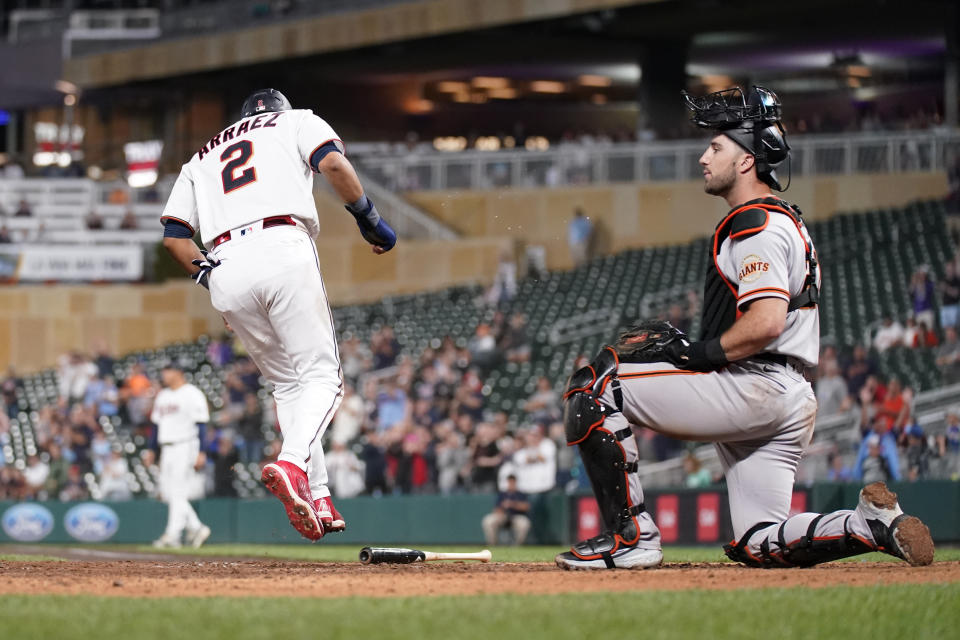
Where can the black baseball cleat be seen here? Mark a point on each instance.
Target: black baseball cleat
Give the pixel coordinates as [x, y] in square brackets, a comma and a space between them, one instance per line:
[608, 551]
[894, 532]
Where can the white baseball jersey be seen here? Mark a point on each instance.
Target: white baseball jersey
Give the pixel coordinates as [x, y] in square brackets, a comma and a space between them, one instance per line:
[256, 168]
[176, 413]
[773, 263]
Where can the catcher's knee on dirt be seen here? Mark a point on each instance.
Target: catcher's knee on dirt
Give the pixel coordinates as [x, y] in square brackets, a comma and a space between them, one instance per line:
[609, 464]
[806, 551]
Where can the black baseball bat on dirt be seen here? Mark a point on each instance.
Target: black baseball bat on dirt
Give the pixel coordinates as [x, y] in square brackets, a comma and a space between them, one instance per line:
[387, 555]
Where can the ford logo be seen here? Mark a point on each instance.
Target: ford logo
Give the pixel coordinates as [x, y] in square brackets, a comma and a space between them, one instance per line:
[91, 522]
[27, 522]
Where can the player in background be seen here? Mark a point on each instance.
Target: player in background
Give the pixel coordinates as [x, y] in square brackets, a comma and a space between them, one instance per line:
[181, 414]
[249, 191]
[740, 386]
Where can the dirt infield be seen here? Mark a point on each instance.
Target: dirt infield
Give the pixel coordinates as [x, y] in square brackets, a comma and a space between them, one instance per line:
[149, 577]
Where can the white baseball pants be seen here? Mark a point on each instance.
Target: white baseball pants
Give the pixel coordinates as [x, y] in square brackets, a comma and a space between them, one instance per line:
[269, 288]
[177, 473]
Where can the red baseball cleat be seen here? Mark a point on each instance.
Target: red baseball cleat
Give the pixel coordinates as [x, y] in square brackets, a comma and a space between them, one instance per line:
[289, 483]
[330, 518]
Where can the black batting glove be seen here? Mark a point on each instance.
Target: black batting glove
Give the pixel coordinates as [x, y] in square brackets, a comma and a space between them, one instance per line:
[208, 264]
[704, 355]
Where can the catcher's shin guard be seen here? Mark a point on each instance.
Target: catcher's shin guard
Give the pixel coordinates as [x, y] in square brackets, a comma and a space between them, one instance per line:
[806, 551]
[610, 457]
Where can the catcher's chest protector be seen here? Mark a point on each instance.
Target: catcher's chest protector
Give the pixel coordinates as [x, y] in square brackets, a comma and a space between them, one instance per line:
[719, 294]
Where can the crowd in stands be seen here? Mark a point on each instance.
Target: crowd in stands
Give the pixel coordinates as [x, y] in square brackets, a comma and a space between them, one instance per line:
[891, 444]
[420, 422]
[406, 424]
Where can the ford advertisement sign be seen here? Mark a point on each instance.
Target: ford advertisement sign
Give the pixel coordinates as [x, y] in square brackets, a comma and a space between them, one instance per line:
[27, 522]
[91, 522]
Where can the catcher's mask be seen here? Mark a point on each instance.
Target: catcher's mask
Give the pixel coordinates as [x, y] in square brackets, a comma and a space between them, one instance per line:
[751, 120]
[262, 101]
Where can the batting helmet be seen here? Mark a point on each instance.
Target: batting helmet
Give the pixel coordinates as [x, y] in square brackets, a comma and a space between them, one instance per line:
[752, 121]
[262, 101]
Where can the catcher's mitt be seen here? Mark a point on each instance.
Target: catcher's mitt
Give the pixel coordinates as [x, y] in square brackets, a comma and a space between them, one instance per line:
[652, 341]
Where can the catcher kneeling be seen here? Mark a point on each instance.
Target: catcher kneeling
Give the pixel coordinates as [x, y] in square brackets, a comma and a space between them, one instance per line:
[759, 411]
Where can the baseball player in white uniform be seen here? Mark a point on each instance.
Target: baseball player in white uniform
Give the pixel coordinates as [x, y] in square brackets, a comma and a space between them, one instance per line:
[249, 191]
[180, 412]
[740, 386]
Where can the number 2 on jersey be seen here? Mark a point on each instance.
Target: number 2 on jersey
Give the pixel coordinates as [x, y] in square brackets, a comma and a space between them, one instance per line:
[232, 181]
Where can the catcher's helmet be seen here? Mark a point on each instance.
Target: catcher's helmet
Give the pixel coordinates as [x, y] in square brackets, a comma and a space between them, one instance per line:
[262, 101]
[752, 121]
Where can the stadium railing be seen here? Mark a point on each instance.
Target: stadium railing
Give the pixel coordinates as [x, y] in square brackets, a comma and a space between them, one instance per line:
[580, 163]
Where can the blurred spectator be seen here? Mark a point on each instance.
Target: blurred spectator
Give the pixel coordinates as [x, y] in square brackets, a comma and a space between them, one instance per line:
[948, 356]
[103, 360]
[504, 287]
[483, 347]
[248, 429]
[926, 337]
[75, 489]
[828, 356]
[831, 392]
[579, 234]
[374, 464]
[349, 418]
[468, 399]
[23, 210]
[59, 470]
[511, 512]
[35, 475]
[137, 391]
[877, 458]
[544, 404]
[949, 296]
[838, 471]
[8, 393]
[485, 458]
[75, 373]
[391, 406]
[219, 352]
[911, 333]
[12, 484]
[535, 464]
[452, 456]
[103, 396]
[860, 367]
[234, 393]
[225, 458]
[93, 221]
[874, 467]
[515, 343]
[921, 297]
[893, 412]
[355, 358]
[696, 475]
[413, 468]
[5, 237]
[385, 348]
[345, 471]
[113, 478]
[917, 454]
[129, 220]
[890, 334]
